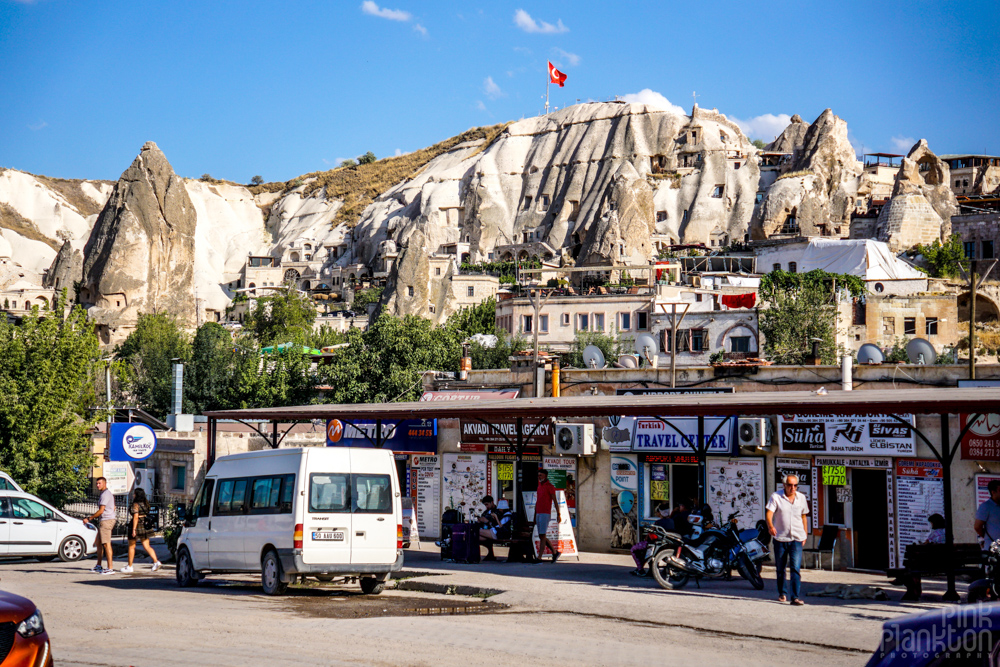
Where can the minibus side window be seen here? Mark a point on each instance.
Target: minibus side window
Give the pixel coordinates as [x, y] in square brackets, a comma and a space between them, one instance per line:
[224, 500]
[287, 494]
[261, 502]
[372, 494]
[203, 501]
[239, 496]
[329, 492]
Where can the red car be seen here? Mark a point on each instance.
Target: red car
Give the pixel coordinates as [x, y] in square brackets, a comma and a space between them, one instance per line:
[23, 640]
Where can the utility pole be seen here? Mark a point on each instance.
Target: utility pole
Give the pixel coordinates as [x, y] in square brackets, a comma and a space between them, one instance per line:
[536, 303]
[974, 283]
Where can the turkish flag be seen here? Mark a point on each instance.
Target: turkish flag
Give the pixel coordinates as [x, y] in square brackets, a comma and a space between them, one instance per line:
[555, 76]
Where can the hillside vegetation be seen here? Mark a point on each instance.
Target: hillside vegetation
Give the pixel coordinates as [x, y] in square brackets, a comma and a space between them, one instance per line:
[358, 185]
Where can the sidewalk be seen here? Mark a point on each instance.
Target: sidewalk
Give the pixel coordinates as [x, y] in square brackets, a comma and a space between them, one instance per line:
[600, 585]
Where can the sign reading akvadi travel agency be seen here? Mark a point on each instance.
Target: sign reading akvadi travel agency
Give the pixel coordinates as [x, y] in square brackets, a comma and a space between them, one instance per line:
[846, 434]
[131, 442]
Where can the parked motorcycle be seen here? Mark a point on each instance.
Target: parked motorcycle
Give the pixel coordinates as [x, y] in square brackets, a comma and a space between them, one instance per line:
[988, 589]
[713, 554]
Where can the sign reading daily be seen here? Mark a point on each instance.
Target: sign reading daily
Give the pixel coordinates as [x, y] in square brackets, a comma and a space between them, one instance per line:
[846, 434]
[131, 442]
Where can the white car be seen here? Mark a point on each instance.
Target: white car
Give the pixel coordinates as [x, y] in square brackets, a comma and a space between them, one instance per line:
[29, 526]
[7, 483]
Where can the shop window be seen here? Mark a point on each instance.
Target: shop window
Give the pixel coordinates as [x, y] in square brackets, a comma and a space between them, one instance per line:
[543, 323]
[834, 509]
[931, 326]
[642, 321]
[909, 326]
[739, 344]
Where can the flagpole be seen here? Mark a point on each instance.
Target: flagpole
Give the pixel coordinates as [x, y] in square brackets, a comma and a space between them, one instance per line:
[548, 80]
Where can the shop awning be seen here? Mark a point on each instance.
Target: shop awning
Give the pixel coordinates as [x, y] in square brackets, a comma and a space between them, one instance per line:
[900, 401]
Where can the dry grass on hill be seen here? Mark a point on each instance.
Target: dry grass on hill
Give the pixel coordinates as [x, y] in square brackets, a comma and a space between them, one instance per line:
[358, 186]
[70, 189]
[14, 221]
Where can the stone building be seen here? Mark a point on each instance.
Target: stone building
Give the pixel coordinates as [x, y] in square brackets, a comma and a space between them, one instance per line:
[973, 174]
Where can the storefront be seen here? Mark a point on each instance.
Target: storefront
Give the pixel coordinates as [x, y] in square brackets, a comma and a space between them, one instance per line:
[852, 475]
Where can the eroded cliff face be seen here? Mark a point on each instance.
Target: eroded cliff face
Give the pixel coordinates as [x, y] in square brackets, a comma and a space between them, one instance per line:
[922, 202]
[815, 195]
[791, 138]
[140, 256]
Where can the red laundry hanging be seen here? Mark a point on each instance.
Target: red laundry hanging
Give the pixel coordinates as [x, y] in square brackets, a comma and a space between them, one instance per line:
[739, 300]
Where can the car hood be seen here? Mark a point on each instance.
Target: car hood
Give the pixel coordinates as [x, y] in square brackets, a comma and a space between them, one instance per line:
[14, 608]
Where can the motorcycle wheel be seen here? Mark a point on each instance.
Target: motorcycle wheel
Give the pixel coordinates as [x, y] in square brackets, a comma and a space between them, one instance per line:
[666, 576]
[749, 572]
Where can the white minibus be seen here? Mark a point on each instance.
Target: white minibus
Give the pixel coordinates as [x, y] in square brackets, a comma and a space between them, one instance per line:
[323, 512]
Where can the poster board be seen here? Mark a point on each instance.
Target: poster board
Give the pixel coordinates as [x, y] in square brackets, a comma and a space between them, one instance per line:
[801, 468]
[119, 476]
[919, 493]
[624, 500]
[737, 485]
[426, 473]
[464, 484]
[982, 441]
[559, 533]
[562, 474]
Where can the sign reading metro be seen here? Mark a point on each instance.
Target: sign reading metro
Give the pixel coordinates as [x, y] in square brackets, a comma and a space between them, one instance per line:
[846, 434]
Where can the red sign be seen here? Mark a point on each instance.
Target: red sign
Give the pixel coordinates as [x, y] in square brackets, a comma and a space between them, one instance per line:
[668, 458]
[334, 430]
[982, 441]
[471, 449]
[485, 395]
[925, 468]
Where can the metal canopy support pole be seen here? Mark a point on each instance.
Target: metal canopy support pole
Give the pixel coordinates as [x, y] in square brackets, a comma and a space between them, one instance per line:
[972, 327]
[212, 431]
[702, 463]
[673, 345]
[274, 435]
[520, 512]
[379, 441]
[951, 595]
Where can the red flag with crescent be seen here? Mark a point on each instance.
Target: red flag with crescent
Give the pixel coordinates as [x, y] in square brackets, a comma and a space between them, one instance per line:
[555, 76]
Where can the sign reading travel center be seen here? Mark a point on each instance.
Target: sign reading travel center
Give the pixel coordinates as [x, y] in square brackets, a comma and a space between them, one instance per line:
[846, 434]
[131, 442]
[678, 434]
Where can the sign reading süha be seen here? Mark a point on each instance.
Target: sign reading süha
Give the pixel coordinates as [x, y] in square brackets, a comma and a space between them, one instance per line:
[505, 432]
[846, 434]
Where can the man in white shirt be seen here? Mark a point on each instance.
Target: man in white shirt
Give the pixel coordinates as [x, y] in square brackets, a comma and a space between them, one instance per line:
[786, 521]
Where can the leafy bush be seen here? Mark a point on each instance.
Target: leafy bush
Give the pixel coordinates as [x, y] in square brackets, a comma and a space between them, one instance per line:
[367, 158]
[784, 281]
[257, 180]
[364, 297]
[943, 261]
[349, 162]
[759, 143]
[611, 345]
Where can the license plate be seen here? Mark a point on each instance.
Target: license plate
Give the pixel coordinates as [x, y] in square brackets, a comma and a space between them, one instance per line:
[333, 535]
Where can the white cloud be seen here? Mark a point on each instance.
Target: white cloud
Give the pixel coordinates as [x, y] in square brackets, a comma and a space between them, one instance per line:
[653, 99]
[523, 20]
[398, 152]
[40, 125]
[765, 127]
[570, 58]
[369, 7]
[421, 29]
[902, 144]
[480, 106]
[491, 89]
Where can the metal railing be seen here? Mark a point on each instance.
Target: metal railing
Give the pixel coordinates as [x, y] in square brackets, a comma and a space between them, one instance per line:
[163, 507]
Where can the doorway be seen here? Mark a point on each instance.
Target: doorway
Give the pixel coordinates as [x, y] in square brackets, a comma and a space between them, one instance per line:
[870, 518]
[684, 487]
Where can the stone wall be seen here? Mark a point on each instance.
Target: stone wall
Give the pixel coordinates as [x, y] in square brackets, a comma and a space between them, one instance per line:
[977, 228]
[908, 220]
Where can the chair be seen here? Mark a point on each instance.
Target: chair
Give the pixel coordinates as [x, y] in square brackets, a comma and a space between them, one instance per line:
[827, 542]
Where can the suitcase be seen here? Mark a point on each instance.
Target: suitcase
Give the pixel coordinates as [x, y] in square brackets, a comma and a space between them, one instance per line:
[465, 543]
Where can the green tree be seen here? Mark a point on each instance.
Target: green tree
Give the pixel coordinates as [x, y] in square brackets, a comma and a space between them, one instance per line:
[349, 162]
[269, 380]
[793, 318]
[499, 355]
[207, 178]
[481, 319]
[282, 318]
[257, 180]
[612, 346]
[208, 374]
[943, 261]
[147, 354]
[759, 143]
[47, 371]
[364, 297]
[367, 158]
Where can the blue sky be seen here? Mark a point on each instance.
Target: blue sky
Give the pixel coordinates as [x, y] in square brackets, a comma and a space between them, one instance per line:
[236, 89]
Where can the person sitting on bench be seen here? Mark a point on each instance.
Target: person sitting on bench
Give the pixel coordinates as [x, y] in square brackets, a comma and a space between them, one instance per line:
[488, 524]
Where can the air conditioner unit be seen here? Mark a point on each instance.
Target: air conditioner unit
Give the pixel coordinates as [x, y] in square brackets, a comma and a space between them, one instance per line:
[145, 479]
[754, 432]
[575, 439]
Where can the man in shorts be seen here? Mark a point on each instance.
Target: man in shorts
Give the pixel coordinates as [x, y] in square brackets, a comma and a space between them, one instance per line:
[545, 500]
[106, 513]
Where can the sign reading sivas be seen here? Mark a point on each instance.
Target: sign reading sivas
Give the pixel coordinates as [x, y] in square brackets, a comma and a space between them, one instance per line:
[846, 434]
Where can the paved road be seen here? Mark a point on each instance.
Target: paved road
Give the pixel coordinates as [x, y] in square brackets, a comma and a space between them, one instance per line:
[591, 612]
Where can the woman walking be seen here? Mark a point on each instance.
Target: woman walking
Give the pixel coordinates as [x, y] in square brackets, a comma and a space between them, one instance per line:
[137, 531]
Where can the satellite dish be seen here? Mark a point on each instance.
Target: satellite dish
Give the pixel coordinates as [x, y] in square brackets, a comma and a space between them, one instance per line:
[593, 357]
[869, 353]
[920, 351]
[645, 347]
[628, 361]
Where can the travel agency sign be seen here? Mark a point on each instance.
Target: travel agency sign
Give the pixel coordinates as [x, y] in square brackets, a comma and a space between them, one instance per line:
[131, 442]
[863, 435]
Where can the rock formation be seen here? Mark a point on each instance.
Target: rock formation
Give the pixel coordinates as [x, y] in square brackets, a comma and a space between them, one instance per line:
[922, 202]
[791, 138]
[815, 197]
[140, 256]
[66, 270]
[621, 235]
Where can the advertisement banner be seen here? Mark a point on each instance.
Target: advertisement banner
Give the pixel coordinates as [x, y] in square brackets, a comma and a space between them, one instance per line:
[845, 434]
[982, 441]
[119, 476]
[130, 441]
[464, 484]
[504, 432]
[624, 500]
[559, 533]
[737, 485]
[426, 471]
[469, 395]
[408, 435]
[919, 493]
[646, 391]
[649, 434]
